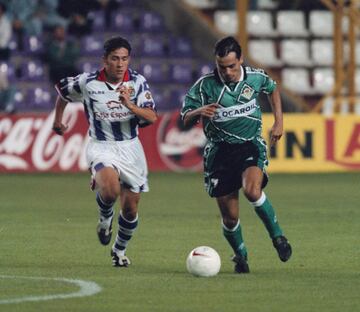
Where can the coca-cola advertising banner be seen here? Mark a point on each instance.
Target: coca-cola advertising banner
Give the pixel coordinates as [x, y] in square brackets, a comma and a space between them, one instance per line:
[27, 143]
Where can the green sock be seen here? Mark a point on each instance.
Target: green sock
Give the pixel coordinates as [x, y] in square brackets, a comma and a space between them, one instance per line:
[265, 211]
[235, 239]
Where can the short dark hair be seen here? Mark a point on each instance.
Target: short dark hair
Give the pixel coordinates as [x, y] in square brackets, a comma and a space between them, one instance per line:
[226, 45]
[114, 44]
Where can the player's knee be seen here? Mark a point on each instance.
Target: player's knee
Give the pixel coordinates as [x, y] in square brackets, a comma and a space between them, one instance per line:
[229, 222]
[109, 192]
[252, 192]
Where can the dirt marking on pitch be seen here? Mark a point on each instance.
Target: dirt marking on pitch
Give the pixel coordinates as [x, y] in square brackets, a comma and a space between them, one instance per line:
[86, 288]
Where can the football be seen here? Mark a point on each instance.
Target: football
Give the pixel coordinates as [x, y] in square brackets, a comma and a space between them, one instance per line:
[203, 261]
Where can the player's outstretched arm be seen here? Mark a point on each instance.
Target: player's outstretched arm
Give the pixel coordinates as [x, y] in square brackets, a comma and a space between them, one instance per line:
[277, 128]
[58, 127]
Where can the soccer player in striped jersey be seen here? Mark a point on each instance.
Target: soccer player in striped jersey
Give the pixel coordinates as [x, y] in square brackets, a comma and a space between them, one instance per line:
[236, 155]
[117, 100]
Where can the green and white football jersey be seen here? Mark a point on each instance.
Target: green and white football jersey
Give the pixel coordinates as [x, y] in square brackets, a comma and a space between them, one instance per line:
[239, 117]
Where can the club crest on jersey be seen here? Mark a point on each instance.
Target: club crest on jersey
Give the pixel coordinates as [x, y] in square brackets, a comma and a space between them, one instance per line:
[247, 92]
[131, 87]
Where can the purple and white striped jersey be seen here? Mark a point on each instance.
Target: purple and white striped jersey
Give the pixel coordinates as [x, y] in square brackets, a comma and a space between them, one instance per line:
[108, 119]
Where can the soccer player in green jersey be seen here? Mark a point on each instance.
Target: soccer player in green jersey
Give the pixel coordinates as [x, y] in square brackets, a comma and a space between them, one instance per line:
[235, 154]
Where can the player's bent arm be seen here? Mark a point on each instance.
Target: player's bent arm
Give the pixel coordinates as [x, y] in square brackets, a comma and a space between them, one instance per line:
[146, 114]
[208, 111]
[58, 126]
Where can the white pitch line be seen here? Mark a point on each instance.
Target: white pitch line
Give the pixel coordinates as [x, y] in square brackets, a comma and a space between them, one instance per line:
[87, 288]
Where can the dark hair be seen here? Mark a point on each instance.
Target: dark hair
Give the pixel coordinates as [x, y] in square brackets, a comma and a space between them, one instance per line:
[114, 44]
[3, 7]
[226, 45]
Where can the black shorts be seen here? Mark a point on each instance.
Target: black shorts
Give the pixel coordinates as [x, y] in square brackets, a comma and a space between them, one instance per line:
[225, 163]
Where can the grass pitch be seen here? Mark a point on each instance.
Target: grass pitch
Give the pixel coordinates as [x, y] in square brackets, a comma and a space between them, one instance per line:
[47, 229]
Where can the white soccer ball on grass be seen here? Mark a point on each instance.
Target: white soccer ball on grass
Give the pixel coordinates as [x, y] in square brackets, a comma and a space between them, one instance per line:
[203, 261]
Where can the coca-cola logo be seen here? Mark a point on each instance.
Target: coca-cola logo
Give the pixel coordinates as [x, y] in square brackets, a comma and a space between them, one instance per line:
[27, 143]
[180, 148]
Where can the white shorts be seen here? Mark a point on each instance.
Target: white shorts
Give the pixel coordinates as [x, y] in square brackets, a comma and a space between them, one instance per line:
[126, 157]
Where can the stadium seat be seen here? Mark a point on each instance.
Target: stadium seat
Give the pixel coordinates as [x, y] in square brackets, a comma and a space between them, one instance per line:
[92, 45]
[322, 52]
[205, 68]
[264, 52]
[89, 67]
[9, 70]
[155, 71]
[151, 21]
[323, 80]
[20, 100]
[33, 71]
[181, 73]
[266, 4]
[295, 52]
[202, 4]
[297, 80]
[39, 98]
[122, 21]
[291, 24]
[98, 20]
[226, 21]
[161, 98]
[152, 45]
[260, 24]
[321, 23]
[177, 97]
[180, 47]
[33, 45]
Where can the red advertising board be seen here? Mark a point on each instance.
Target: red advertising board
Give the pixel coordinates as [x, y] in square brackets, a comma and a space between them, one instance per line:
[27, 143]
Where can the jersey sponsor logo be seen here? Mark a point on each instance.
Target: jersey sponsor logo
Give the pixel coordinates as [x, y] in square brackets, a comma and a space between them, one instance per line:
[227, 113]
[96, 92]
[113, 104]
[113, 116]
[247, 92]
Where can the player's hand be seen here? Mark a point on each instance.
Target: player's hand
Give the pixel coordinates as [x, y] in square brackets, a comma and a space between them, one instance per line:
[59, 128]
[208, 111]
[124, 95]
[276, 133]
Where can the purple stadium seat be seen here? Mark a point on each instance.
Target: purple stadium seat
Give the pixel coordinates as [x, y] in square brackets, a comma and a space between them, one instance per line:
[40, 98]
[9, 70]
[20, 100]
[13, 45]
[152, 45]
[155, 71]
[98, 20]
[93, 45]
[122, 21]
[33, 71]
[89, 67]
[161, 98]
[33, 45]
[151, 21]
[177, 97]
[181, 73]
[180, 47]
[205, 68]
